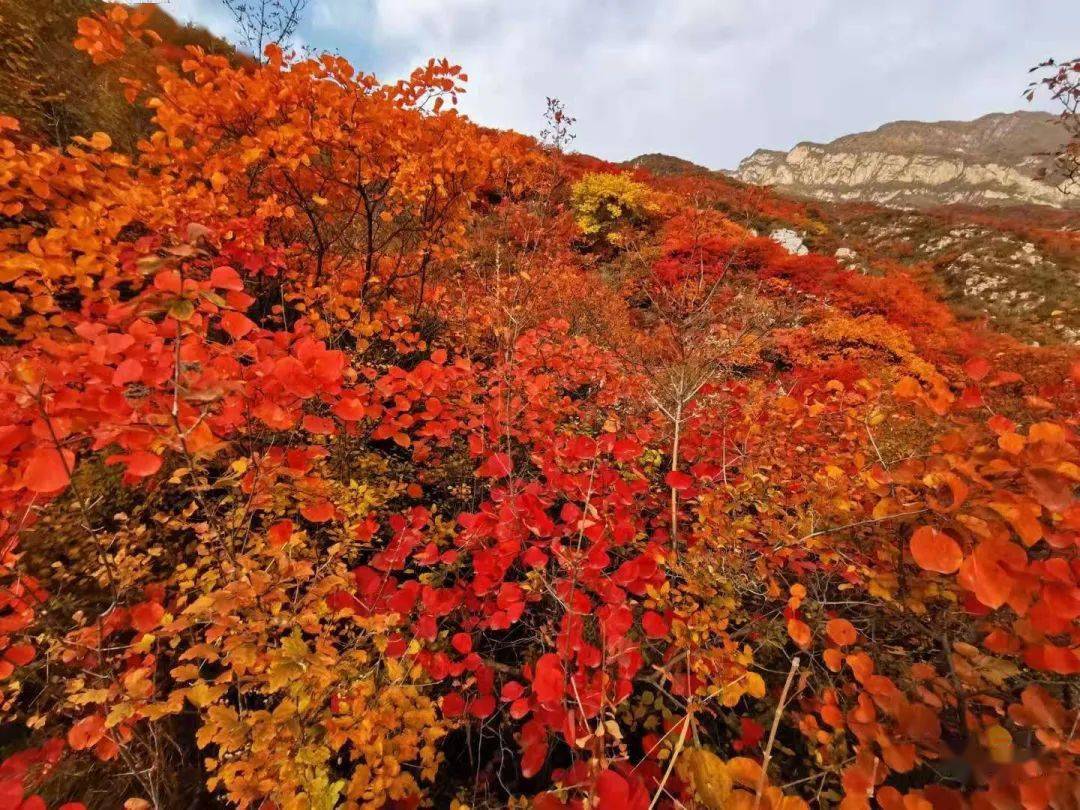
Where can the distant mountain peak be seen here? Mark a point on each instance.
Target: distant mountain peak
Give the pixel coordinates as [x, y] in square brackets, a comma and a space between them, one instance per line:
[661, 165]
[996, 159]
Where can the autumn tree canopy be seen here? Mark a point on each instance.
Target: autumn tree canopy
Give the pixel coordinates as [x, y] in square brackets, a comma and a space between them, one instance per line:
[352, 454]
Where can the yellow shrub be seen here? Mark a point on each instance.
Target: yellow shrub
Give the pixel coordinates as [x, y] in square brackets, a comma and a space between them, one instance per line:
[606, 204]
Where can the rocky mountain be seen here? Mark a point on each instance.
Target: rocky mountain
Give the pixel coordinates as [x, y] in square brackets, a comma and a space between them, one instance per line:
[998, 159]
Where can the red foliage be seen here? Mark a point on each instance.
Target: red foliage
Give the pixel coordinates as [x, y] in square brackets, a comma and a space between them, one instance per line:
[324, 432]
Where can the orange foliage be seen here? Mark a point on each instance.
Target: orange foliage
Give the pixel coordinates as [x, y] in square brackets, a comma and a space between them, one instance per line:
[334, 456]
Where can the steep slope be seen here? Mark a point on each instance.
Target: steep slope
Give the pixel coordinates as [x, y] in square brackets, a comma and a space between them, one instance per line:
[998, 159]
[55, 93]
[1016, 267]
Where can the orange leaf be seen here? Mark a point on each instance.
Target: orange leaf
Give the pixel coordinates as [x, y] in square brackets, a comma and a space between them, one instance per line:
[1011, 442]
[834, 659]
[799, 632]
[907, 388]
[988, 571]
[106, 749]
[86, 732]
[841, 632]
[935, 551]
[318, 512]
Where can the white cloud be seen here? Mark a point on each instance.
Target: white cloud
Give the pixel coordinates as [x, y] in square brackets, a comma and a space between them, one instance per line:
[709, 80]
[211, 14]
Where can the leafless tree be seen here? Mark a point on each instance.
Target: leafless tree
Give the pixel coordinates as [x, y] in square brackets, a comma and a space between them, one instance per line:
[558, 126]
[1062, 81]
[266, 22]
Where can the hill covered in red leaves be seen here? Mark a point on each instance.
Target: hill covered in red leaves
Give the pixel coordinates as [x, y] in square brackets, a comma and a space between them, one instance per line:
[355, 455]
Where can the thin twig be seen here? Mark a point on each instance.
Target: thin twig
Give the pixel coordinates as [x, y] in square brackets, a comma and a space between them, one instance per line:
[674, 756]
[772, 731]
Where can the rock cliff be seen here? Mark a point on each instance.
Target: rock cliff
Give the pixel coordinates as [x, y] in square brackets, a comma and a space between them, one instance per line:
[998, 159]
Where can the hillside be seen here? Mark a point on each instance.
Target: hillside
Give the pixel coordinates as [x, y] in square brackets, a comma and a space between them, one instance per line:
[663, 165]
[356, 455]
[998, 159]
[1017, 268]
[56, 93]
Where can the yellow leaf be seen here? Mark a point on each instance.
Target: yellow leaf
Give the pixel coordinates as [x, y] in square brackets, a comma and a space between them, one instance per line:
[755, 685]
[118, 714]
[202, 694]
[1000, 743]
[709, 776]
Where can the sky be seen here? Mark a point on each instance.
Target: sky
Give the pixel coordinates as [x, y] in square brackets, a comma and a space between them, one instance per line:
[705, 80]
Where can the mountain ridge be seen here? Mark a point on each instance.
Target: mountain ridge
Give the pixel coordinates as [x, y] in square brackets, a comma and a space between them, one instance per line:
[996, 159]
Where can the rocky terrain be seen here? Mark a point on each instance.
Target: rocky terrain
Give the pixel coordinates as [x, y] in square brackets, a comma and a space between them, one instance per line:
[1023, 278]
[998, 159]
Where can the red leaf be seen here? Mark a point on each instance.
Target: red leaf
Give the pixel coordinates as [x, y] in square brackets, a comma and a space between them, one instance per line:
[128, 370]
[453, 705]
[46, 471]
[751, 734]
[19, 654]
[549, 681]
[236, 325]
[534, 749]
[482, 706]
[140, 464]
[168, 281]
[654, 624]
[343, 600]
[145, 616]
[225, 278]
[976, 368]
[519, 708]
[612, 791]
[11, 792]
[511, 691]
[971, 397]
[678, 480]
[280, 533]
[349, 408]
[498, 465]
[462, 642]
[534, 557]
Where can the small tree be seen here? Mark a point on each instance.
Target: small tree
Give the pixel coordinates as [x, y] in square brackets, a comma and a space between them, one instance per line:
[558, 126]
[266, 22]
[1062, 82]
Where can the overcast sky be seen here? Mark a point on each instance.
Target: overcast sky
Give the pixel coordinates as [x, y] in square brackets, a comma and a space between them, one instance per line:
[706, 80]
